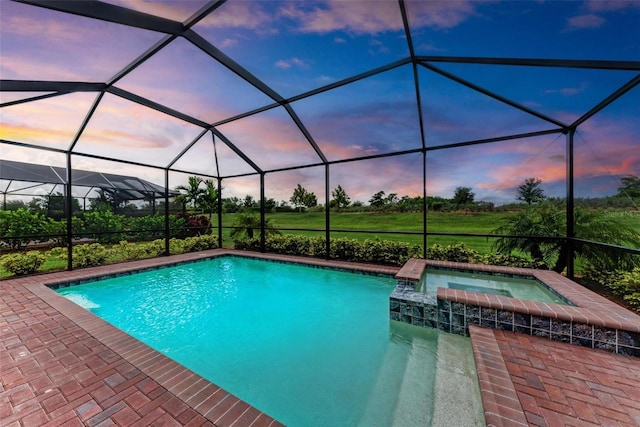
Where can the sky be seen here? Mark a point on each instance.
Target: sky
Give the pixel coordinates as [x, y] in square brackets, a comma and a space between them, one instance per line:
[298, 48]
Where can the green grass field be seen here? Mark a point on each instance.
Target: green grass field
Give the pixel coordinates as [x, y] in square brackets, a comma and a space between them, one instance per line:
[354, 225]
[437, 222]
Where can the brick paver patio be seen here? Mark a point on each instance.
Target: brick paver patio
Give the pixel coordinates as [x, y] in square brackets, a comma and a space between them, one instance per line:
[62, 366]
[528, 380]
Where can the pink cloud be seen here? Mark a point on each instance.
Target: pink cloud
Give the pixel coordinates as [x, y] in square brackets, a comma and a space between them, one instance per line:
[584, 21]
[52, 121]
[271, 139]
[611, 5]
[293, 62]
[441, 14]
[242, 14]
[176, 10]
[355, 17]
[51, 30]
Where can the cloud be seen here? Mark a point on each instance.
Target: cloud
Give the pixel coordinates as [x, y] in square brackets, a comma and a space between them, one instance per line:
[611, 5]
[176, 10]
[271, 140]
[242, 15]
[43, 29]
[228, 42]
[585, 21]
[293, 62]
[39, 135]
[354, 17]
[363, 17]
[427, 47]
[568, 91]
[441, 14]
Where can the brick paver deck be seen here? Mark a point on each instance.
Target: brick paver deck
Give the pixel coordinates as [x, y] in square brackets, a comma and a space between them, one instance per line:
[62, 366]
[528, 380]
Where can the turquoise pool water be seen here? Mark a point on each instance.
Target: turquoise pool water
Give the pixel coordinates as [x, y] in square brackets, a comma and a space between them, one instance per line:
[310, 347]
[512, 287]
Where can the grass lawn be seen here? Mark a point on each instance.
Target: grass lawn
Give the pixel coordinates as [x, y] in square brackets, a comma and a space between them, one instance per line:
[355, 223]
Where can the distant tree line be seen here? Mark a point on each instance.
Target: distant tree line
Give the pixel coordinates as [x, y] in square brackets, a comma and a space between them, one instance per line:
[200, 196]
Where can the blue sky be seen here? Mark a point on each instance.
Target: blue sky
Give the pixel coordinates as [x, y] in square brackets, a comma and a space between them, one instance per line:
[297, 47]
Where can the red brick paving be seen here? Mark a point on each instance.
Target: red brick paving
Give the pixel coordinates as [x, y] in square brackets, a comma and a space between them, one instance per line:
[549, 383]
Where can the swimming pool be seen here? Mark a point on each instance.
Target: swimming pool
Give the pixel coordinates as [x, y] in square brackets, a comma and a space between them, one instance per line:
[308, 346]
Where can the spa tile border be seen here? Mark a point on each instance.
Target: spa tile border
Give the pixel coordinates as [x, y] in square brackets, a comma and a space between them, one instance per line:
[592, 320]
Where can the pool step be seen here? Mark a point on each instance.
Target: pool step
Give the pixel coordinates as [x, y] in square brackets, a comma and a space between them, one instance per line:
[415, 398]
[375, 413]
[457, 401]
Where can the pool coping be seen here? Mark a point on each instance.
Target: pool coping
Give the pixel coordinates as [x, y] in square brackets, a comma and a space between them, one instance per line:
[188, 399]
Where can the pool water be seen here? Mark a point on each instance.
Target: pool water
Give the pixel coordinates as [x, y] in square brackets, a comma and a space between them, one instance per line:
[308, 346]
[512, 287]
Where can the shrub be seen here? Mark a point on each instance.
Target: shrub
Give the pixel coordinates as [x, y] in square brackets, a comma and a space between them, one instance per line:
[247, 244]
[155, 248]
[176, 246]
[23, 263]
[622, 283]
[509, 261]
[456, 252]
[104, 227]
[132, 251]
[387, 252]
[19, 227]
[56, 230]
[194, 225]
[376, 251]
[88, 255]
[318, 247]
[344, 248]
[145, 227]
[288, 244]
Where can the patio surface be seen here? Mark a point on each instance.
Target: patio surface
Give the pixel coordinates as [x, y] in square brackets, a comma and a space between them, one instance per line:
[62, 366]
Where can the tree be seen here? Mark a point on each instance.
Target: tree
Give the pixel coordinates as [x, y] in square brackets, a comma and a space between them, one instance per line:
[630, 186]
[310, 200]
[530, 191]
[191, 193]
[14, 205]
[104, 202]
[270, 205]
[54, 205]
[391, 199]
[340, 198]
[246, 223]
[377, 200]
[209, 198]
[231, 204]
[303, 198]
[249, 203]
[539, 231]
[463, 196]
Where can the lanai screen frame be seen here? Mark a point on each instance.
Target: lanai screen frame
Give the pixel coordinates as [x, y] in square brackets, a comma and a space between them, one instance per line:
[173, 30]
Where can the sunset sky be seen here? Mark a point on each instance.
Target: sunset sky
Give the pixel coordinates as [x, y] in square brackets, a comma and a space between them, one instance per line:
[295, 47]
